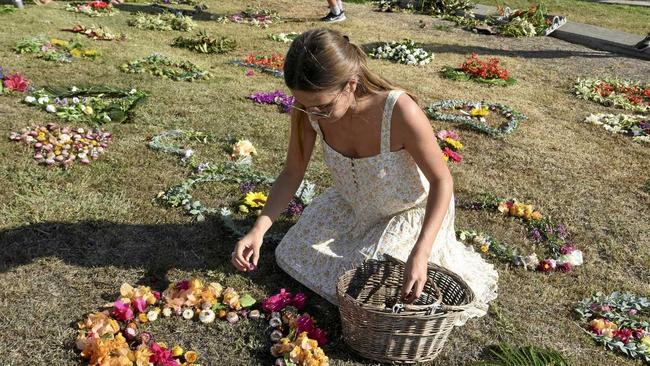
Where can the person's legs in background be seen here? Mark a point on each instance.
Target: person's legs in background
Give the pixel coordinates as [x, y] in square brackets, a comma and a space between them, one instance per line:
[336, 13]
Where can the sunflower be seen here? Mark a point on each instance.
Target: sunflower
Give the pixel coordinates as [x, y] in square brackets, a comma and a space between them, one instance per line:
[255, 199]
[480, 112]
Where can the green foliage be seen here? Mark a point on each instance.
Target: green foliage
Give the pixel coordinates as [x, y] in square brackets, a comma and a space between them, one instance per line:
[203, 43]
[160, 65]
[505, 354]
[162, 22]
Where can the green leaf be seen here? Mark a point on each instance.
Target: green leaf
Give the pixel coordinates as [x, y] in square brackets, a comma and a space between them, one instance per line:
[247, 301]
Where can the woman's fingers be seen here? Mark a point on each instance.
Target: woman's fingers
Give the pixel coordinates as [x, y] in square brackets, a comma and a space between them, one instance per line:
[407, 287]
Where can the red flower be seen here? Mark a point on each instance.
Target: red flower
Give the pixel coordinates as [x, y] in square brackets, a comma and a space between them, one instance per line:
[277, 302]
[547, 265]
[647, 93]
[160, 356]
[299, 301]
[486, 70]
[565, 267]
[452, 155]
[16, 82]
[122, 311]
[98, 5]
[623, 334]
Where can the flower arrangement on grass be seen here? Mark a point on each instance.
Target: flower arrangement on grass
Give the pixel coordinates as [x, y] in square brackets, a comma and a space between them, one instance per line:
[405, 52]
[8, 9]
[203, 43]
[473, 115]
[273, 64]
[95, 8]
[284, 37]
[98, 33]
[610, 92]
[450, 144]
[163, 66]
[475, 69]
[277, 97]
[61, 146]
[296, 338]
[95, 105]
[10, 83]
[162, 22]
[55, 49]
[560, 254]
[253, 16]
[616, 321]
[115, 336]
[636, 126]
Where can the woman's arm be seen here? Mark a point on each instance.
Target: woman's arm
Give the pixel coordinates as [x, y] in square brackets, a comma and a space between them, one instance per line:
[412, 128]
[246, 251]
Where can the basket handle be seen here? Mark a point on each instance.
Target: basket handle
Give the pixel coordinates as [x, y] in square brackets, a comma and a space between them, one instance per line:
[428, 309]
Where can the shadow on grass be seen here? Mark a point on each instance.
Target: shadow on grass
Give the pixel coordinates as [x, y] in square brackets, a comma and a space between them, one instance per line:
[159, 9]
[158, 249]
[466, 50]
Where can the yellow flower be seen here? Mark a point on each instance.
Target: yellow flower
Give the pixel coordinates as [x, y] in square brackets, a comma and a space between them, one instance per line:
[243, 148]
[536, 215]
[445, 157]
[141, 355]
[479, 112]
[58, 42]
[485, 248]
[646, 341]
[177, 351]
[503, 207]
[597, 324]
[75, 52]
[255, 199]
[142, 317]
[90, 52]
[191, 356]
[457, 145]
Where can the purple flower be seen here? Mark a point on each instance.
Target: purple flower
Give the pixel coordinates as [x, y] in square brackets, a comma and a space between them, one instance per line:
[202, 167]
[561, 232]
[2, 76]
[247, 187]
[567, 249]
[536, 234]
[278, 97]
[642, 125]
[295, 208]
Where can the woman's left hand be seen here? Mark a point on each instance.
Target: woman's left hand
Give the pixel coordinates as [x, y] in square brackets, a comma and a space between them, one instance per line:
[415, 277]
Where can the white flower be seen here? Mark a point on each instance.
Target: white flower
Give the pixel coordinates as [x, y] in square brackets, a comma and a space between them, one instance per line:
[575, 258]
[74, 89]
[207, 316]
[43, 100]
[188, 153]
[50, 108]
[75, 100]
[152, 315]
[30, 99]
[106, 118]
[133, 91]
[167, 312]
[188, 314]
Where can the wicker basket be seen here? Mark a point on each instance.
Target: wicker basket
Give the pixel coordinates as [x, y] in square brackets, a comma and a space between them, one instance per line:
[379, 327]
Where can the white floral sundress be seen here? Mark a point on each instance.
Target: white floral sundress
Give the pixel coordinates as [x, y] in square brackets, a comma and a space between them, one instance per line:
[376, 206]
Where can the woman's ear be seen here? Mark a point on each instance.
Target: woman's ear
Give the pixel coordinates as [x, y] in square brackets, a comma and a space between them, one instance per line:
[353, 84]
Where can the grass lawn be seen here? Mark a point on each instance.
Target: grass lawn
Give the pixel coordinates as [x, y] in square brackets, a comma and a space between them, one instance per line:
[70, 238]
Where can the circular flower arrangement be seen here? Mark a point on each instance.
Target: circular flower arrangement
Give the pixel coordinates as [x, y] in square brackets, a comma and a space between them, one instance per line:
[475, 69]
[636, 126]
[631, 95]
[284, 37]
[277, 97]
[269, 64]
[97, 105]
[55, 49]
[161, 65]
[162, 22]
[115, 337]
[95, 8]
[54, 145]
[256, 17]
[615, 320]
[560, 254]
[236, 169]
[473, 115]
[98, 33]
[405, 52]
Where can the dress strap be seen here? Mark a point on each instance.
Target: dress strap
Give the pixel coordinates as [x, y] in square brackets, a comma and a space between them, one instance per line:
[393, 95]
[315, 126]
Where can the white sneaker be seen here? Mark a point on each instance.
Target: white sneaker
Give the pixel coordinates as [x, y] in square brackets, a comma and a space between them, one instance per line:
[331, 18]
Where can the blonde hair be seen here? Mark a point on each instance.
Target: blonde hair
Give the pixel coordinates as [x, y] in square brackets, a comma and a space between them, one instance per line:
[324, 59]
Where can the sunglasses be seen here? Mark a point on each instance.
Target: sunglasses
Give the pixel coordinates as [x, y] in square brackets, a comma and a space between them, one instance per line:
[324, 111]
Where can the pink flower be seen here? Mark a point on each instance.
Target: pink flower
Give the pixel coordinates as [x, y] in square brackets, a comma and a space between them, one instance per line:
[632, 312]
[122, 311]
[452, 155]
[319, 335]
[567, 249]
[304, 324]
[547, 265]
[156, 294]
[565, 267]
[639, 333]
[139, 304]
[160, 356]
[277, 302]
[605, 309]
[623, 334]
[16, 82]
[299, 301]
[183, 285]
[448, 134]
[250, 72]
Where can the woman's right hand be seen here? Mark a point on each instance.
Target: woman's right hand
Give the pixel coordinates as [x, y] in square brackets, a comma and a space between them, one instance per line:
[247, 251]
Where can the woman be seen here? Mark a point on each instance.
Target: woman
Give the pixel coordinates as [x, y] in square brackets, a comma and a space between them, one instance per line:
[392, 194]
